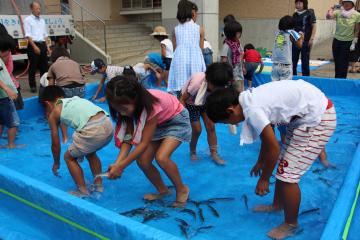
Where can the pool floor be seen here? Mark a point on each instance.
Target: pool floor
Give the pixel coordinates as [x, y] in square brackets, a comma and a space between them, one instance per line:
[232, 217]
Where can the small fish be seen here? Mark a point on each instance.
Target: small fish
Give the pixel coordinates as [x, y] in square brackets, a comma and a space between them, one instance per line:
[101, 175]
[189, 211]
[154, 215]
[246, 200]
[310, 211]
[184, 231]
[213, 210]
[319, 170]
[134, 212]
[327, 182]
[204, 228]
[182, 222]
[201, 214]
[45, 129]
[222, 199]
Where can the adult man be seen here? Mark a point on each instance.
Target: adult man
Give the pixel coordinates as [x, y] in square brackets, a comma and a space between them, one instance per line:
[36, 33]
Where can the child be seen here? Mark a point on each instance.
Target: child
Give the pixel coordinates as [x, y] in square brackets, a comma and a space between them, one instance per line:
[107, 72]
[282, 51]
[232, 52]
[7, 44]
[252, 61]
[188, 40]
[167, 50]
[193, 97]
[8, 114]
[156, 123]
[93, 131]
[207, 53]
[311, 120]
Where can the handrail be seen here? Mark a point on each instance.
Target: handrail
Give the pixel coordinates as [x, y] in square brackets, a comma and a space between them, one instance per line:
[92, 14]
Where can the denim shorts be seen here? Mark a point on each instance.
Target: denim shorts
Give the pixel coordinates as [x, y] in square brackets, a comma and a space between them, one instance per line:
[281, 72]
[75, 91]
[178, 127]
[250, 69]
[8, 115]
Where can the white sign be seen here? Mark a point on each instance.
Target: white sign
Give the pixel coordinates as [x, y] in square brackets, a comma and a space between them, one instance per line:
[57, 25]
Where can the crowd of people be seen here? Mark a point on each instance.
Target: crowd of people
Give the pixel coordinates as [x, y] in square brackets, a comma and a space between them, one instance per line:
[156, 122]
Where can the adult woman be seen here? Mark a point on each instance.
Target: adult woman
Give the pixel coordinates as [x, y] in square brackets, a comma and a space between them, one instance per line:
[305, 21]
[347, 19]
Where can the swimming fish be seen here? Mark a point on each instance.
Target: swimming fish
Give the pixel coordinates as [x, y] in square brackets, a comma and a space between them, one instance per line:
[182, 222]
[319, 170]
[135, 212]
[204, 228]
[327, 182]
[154, 215]
[184, 227]
[222, 199]
[246, 200]
[189, 211]
[201, 214]
[309, 211]
[213, 210]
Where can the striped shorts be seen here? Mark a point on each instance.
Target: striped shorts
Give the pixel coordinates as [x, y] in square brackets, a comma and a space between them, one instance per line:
[302, 147]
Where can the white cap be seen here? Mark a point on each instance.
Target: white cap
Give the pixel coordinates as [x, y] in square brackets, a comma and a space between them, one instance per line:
[353, 1]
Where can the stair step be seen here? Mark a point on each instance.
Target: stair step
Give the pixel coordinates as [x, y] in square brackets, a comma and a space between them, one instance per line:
[117, 57]
[123, 40]
[116, 30]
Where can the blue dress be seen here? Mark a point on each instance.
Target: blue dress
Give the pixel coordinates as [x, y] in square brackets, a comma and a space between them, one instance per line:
[188, 58]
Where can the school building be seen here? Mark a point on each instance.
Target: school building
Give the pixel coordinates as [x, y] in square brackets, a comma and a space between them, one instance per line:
[259, 18]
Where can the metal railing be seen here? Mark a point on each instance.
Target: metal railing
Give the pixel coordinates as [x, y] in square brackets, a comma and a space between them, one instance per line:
[87, 22]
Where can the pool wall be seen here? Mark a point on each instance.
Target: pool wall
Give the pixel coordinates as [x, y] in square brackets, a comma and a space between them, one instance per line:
[112, 225]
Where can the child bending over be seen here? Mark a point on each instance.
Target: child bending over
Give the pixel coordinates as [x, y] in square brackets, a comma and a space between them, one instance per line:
[156, 123]
[93, 131]
[311, 120]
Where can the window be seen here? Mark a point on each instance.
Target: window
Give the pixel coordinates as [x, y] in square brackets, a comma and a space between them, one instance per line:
[141, 4]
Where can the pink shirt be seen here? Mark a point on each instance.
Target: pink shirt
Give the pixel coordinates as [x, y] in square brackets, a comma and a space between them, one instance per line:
[10, 67]
[193, 85]
[167, 107]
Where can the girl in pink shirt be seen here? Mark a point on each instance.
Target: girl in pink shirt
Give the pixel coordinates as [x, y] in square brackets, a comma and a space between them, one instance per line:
[156, 123]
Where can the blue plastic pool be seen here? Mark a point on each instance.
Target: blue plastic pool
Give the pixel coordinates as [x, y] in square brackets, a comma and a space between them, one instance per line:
[229, 218]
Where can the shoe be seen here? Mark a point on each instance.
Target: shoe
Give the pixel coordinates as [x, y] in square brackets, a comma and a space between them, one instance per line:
[33, 89]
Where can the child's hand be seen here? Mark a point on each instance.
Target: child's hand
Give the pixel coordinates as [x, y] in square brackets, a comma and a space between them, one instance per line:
[262, 187]
[256, 170]
[115, 171]
[55, 169]
[12, 95]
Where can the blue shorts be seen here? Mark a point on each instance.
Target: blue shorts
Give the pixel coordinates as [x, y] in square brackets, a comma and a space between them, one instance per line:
[8, 115]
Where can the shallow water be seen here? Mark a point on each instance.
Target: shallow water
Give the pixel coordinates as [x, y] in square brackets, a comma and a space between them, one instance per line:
[205, 179]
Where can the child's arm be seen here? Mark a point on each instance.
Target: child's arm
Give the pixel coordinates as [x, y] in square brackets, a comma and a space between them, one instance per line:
[268, 157]
[12, 95]
[101, 84]
[118, 167]
[55, 139]
[163, 50]
[184, 97]
[202, 37]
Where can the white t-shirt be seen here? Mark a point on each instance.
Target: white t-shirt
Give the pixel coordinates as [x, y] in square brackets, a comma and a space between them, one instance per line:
[113, 71]
[169, 47]
[207, 45]
[279, 103]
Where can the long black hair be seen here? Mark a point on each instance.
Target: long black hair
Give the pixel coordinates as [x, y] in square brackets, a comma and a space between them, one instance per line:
[184, 12]
[59, 52]
[125, 90]
[231, 28]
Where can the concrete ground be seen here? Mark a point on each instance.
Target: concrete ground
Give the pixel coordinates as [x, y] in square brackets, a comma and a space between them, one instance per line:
[320, 51]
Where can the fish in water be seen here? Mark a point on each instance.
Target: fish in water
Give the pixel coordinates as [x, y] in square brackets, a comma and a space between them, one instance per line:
[336, 140]
[222, 199]
[203, 228]
[327, 182]
[246, 200]
[184, 227]
[154, 215]
[310, 211]
[319, 170]
[135, 212]
[189, 211]
[213, 210]
[201, 214]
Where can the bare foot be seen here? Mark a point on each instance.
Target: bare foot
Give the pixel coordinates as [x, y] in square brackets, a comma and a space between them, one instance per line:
[181, 197]
[155, 196]
[12, 146]
[97, 187]
[193, 156]
[266, 208]
[217, 159]
[284, 230]
[101, 100]
[81, 192]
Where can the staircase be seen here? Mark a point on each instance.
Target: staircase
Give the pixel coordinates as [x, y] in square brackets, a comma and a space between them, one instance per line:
[125, 43]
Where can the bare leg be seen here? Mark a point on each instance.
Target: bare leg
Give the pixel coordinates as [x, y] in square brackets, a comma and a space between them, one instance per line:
[166, 77]
[291, 199]
[95, 166]
[167, 147]
[324, 160]
[211, 138]
[353, 67]
[76, 173]
[64, 133]
[151, 172]
[11, 137]
[196, 131]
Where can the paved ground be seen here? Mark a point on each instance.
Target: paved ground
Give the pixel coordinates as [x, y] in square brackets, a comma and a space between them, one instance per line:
[321, 51]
